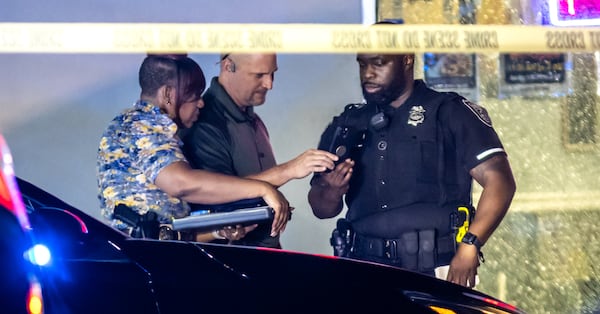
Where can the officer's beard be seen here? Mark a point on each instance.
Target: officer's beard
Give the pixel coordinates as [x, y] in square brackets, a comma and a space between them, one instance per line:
[383, 97]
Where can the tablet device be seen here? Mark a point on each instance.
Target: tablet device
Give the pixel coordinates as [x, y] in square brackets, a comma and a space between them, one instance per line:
[214, 221]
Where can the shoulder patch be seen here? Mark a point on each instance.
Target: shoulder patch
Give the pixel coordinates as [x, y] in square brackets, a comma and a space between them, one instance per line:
[479, 112]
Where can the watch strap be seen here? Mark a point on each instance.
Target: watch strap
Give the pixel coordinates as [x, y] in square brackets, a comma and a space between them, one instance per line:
[470, 238]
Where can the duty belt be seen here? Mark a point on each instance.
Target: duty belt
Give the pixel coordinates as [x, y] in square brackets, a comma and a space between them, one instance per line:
[409, 250]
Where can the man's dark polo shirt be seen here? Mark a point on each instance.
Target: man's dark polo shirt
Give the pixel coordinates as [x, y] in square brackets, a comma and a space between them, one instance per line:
[227, 140]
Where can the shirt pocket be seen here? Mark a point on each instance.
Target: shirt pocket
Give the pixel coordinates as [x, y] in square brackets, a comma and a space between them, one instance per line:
[428, 168]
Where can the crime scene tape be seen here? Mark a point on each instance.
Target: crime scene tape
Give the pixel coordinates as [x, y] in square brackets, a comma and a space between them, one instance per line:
[291, 38]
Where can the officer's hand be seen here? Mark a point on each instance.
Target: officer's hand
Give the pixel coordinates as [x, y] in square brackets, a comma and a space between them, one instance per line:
[463, 267]
[281, 206]
[339, 178]
[312, 160]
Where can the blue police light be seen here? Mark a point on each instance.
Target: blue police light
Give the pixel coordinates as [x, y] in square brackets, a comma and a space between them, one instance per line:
[574, 12]
[38, 255]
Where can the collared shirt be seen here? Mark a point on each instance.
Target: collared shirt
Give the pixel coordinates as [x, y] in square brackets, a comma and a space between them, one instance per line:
[423, 157]
[228, 140]
[135, 147]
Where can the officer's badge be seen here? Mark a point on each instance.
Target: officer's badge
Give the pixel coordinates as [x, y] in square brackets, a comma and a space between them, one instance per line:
[416, 115]
[479, 111]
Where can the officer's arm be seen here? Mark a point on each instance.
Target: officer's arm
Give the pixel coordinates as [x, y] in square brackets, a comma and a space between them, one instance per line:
[327, 190]
[324, 202]
[496, 178]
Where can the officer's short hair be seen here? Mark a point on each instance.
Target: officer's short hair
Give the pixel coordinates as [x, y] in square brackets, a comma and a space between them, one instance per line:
[155, 72]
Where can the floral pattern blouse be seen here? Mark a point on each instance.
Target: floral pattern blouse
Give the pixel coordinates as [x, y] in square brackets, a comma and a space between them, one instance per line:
[135, 147]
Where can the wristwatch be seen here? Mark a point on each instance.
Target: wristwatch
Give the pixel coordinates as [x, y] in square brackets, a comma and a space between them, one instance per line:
[471, 239]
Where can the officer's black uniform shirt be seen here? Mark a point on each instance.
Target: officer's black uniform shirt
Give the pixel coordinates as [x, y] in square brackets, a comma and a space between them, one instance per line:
[228, 140]
[418, 164]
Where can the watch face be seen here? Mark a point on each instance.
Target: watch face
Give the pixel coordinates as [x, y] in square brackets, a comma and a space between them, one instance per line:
[469, 238]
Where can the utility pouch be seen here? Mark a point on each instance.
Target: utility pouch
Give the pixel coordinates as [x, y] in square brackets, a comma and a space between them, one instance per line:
[427, 250]
[342, 238]
[143, 226]
[409, 250]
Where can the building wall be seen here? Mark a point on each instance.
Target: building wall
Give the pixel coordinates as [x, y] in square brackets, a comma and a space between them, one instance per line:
[55, 106]
[537, 259]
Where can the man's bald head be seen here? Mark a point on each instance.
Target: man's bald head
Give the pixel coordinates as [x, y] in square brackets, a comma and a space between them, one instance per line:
[247, 77]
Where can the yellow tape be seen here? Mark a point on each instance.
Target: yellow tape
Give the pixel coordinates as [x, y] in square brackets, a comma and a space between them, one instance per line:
[291, 38]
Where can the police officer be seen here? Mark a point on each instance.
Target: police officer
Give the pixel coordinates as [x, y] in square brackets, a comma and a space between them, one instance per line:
[414, 167]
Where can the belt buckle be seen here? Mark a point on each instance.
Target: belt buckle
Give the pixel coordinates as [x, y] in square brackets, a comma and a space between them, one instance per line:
[391, 249]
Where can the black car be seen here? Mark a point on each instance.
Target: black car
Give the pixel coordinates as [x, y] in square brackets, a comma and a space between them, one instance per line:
[94, 268]
[97, 269]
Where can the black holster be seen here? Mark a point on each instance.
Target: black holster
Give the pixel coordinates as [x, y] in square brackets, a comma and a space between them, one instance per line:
[143, 226]
[342, 238]
[460, 221]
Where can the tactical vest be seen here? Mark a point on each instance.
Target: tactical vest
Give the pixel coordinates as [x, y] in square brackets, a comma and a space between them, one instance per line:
[411, 179]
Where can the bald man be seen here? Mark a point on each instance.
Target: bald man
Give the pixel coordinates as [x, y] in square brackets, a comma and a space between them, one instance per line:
[230, 138]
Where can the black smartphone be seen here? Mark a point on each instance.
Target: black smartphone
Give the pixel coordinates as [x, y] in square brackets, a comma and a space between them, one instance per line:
[345, 141]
